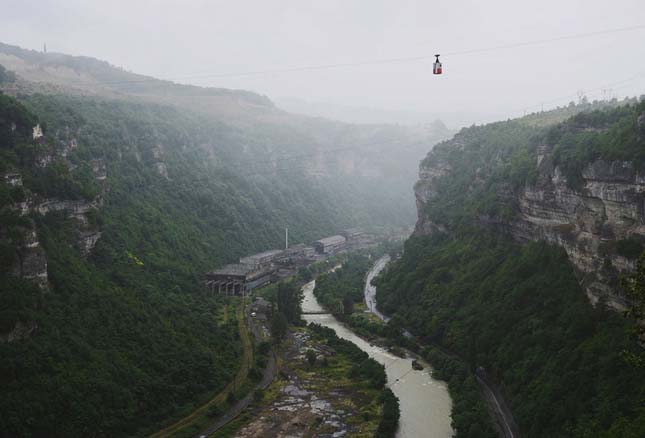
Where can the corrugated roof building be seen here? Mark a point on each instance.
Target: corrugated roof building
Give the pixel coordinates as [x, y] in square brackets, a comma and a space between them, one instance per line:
[262, 258]
[237, 279]
[329, 245]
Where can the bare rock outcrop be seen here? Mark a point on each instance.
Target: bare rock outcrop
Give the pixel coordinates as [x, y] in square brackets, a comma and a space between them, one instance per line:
[587, 222]
[31, 262]
[19, 331]
[425, 190]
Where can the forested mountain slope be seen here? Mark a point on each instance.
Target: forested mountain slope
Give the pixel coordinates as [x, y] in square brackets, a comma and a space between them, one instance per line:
[118, 193]
[516, 222]
[104, 246]
[112, 337]
[109, 221]
[579, 184]
[374, 163]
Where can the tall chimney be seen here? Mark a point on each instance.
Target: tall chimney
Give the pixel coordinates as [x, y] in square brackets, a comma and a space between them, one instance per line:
[286, 238]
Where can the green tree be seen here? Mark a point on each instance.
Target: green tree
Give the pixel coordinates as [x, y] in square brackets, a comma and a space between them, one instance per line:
[279, 326]
[311, 357]
[348, 305]
[289, 297]
[634, 287]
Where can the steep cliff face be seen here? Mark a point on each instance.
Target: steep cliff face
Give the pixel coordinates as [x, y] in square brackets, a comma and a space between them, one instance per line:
[598, 219]
[31, 260]
[36, 179]
[587, 223]
[425, 191]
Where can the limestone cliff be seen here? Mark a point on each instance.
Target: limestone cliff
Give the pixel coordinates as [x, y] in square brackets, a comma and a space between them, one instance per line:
[592, 220]
[22, 253]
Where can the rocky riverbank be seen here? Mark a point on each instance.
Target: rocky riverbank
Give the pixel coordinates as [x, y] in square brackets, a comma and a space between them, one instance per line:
[316, 394]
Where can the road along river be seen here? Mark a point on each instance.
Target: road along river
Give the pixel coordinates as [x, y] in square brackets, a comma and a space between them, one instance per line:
[425, 403]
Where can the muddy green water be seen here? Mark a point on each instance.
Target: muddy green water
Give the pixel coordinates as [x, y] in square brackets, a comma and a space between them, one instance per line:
[425, 402]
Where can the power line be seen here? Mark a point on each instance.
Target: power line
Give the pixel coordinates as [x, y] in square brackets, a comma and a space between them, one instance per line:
[546, 40]
[401, 377]
[611, 85]
[378, 61]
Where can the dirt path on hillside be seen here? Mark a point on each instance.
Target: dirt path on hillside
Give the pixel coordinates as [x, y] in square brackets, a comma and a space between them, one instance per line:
[197, 414]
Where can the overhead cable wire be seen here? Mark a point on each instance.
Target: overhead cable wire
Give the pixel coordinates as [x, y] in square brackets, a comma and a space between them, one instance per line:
[394, 60]
[610, 85]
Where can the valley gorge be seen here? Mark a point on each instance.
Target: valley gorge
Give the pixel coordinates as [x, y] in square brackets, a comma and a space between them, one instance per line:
[121, 193]
[524, 237]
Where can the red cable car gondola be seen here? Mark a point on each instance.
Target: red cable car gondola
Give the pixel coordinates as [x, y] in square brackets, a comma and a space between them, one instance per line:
[437, 69]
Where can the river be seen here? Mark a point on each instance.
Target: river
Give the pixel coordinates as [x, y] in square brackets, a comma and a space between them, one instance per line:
[425, 402]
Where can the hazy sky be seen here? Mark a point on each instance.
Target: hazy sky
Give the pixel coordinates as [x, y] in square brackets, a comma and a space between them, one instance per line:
[181, 39]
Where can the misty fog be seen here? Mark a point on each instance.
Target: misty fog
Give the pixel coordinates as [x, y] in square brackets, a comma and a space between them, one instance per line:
[216, 43]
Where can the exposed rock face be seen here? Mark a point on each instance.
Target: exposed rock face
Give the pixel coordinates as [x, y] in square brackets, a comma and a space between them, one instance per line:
[425, 191]
[587, 223]
[20, 330]
[32, 261]
[88, 235]
[162, 169]
[99, 169]
[87, 240]
[74, 208]
[30, 264]
[13, 179]
[37, 132]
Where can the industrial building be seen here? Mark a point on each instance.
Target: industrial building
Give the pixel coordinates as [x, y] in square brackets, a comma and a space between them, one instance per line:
[260, 269]
[352, 233]
[299, 251]
[262, 259]
[238, 279]
[329, 245]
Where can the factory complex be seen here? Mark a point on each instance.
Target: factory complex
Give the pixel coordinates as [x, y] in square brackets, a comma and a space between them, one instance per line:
[260, 269]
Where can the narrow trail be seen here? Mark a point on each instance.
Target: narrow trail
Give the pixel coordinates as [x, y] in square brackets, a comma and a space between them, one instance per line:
[197, 414]
[503, 416]
[240, 405]
[268, 374]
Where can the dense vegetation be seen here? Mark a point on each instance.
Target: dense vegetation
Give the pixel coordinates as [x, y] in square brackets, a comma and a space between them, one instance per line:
[609, 135]
[475, 298]
[470, 415]
[126, 337]
[109, 355]
[342, 291]
[366, 368]
[339, 290]
[365, 171]
[118, 345]
[488, 162]
[285, 298]
[634, 287]
[520, 313]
